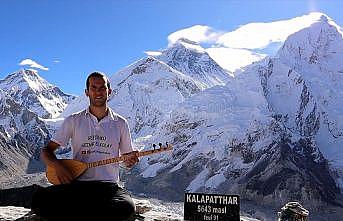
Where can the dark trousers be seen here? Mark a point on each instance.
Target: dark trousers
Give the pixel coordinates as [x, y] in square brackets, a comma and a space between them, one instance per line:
[84, 200]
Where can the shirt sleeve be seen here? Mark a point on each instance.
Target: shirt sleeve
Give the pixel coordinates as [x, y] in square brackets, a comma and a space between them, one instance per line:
[64, 133]
[125, 145]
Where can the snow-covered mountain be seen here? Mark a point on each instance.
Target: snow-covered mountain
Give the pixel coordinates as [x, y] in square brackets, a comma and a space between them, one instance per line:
[235, 49]
[25, 100]
[35, 93]
[148, 90]
[272, 134]
[191, 59]
[317, 54]
[22, 134]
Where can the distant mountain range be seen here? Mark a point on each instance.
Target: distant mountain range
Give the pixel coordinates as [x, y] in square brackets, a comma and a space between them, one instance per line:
[271, 132]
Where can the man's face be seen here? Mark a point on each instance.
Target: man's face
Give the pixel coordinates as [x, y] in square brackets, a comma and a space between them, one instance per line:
[98, 91]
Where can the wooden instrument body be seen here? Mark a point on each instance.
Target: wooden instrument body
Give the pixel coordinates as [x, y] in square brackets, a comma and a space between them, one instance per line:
[77, 168]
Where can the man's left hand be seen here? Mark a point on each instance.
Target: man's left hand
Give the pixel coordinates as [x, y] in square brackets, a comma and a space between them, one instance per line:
[131, 159]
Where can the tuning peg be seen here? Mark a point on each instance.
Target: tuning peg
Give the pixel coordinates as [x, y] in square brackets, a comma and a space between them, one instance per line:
[154, 145]
[167, 144]
[160, 144]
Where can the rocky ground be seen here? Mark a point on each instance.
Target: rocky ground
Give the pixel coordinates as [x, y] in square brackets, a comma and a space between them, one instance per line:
[147, 210]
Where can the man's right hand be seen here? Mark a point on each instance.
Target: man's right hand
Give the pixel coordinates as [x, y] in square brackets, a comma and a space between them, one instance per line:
[62, 173]
[49, 158]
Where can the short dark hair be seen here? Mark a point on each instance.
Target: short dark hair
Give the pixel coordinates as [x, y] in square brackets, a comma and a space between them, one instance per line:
[98, 74]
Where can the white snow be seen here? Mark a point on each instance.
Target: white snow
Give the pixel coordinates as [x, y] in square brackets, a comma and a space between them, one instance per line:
[78, 104]
[198, 182]
[152, 170]
[215, 181]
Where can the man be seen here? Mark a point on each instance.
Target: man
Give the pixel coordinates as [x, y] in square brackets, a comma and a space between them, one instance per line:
[96, 133]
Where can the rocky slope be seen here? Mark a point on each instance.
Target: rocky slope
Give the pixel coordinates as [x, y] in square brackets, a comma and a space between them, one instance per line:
[22, 134]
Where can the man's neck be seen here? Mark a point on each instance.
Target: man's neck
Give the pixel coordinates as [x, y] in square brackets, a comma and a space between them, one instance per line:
[99, 112]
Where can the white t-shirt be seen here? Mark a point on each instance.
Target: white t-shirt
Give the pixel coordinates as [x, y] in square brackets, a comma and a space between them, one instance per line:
[93, 141]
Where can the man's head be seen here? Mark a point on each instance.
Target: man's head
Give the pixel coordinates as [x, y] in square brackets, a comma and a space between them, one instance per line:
[98, 89]
[97, 74]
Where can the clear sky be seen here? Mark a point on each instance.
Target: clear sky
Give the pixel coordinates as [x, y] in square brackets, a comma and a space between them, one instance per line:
[71, 38]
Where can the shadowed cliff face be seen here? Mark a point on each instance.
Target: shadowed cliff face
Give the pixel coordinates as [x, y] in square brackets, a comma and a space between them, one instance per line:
[290, 171]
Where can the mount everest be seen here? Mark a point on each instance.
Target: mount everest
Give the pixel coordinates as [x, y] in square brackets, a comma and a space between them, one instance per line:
[271, 132]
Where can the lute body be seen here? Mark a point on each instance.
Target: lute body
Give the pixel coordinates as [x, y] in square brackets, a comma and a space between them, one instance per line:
[77, 168]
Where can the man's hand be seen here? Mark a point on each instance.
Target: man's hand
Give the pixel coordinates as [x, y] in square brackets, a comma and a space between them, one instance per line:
[49, 158]
[131, 159]
[63, 174]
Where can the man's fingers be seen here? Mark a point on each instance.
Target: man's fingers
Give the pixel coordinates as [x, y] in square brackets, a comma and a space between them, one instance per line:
[64, 176]
[64, 179]
[131, 155]
[131, 158]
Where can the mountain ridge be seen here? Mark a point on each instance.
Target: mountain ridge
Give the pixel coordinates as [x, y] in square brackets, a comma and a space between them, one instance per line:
[31, 90]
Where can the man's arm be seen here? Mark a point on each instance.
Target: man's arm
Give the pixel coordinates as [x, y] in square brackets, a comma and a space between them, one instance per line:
[49, 158]
[125, 146]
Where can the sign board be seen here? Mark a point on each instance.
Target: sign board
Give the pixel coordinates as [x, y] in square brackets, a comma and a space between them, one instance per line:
[211, 207]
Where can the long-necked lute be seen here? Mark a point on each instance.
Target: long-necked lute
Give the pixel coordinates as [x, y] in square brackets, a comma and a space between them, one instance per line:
[77, 168]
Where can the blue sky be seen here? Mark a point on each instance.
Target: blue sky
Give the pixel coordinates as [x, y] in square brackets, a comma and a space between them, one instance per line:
[73, 38]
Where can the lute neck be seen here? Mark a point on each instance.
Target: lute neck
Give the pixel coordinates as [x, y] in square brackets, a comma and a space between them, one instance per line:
[124, 157]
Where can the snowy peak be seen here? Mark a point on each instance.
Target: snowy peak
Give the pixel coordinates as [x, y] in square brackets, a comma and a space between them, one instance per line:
[28, 76]
[146, 91]
[316, 54]
[146, 69]
[318, 47]
[192, 45]
[29, 89]
[149, 65]
[191, 59]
